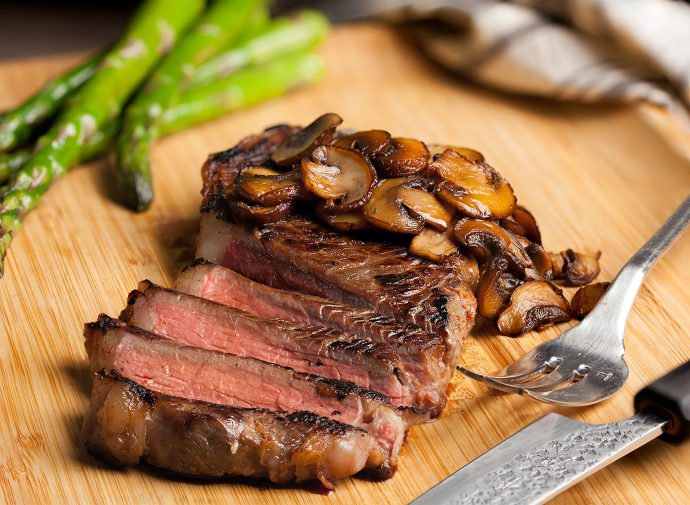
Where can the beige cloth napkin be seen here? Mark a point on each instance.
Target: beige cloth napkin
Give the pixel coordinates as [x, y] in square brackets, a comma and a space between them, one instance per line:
[578, 50]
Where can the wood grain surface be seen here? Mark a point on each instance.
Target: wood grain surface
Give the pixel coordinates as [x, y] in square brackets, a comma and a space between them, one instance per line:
[597, 178]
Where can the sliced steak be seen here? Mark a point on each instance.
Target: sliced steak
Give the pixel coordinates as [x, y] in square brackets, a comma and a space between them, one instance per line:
[421, 353]
[127, 424]
[322, 351]
[299, 254]
[199, 374]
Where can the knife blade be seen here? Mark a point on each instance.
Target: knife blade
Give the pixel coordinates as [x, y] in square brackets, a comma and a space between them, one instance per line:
[555, 452]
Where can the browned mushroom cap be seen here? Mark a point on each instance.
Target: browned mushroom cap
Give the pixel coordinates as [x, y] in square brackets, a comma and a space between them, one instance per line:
[541, 261]
[587, 297]
[386, 210]
[579, 268]
[425, 205]
[370, 143]
[556, 265]
[526, 220]
[519, 260]
[472, 187]
[484, 239]
[342, 177]
[403, 157]
[512, 226]
[436, 150]
[246, 212]
[534, 304]
[300, 144]
[433, 245]
[495, 287]
[259, 185]
[347, 221]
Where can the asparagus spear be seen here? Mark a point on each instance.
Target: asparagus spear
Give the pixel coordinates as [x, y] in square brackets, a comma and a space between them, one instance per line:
[304, 30]
[94, 146]
[242, 89]
[20, 124]
[200, 103]
[221, 24]
[153, 30]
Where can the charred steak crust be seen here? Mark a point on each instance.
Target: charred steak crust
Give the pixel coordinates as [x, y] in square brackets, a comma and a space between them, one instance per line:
[219, 171]
[297, 253]
[127, 423]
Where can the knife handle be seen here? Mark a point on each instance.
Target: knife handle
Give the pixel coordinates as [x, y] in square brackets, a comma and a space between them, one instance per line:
[669, 396]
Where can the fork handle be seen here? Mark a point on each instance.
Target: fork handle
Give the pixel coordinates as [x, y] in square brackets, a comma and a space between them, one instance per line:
[616, 303]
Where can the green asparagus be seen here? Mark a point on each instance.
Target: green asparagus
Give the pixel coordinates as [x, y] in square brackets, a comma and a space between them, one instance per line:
[221, 24]
[19, 125]
[198, 104]
[11, 163]
[304, 30]
[94, 146]
[242, 89]
[152, 32]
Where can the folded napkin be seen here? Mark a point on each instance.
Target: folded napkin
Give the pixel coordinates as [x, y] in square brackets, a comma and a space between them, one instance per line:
[577, 50]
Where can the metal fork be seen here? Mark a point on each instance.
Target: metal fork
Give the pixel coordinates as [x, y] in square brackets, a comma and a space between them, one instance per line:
[585, 364]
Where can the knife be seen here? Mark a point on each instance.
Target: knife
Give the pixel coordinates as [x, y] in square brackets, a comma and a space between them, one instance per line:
[555, 452]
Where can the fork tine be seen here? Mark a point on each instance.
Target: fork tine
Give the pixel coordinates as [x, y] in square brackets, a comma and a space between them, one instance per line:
[590, 389]
[549, 382]
[490, 381]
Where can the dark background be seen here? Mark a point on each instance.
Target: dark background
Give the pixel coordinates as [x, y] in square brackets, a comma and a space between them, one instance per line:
[30, 28]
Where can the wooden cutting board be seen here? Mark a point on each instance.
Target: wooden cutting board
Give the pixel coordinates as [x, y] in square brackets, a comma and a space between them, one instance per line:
[597, 178]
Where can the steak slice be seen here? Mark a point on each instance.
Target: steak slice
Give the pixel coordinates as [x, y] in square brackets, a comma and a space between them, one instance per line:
[322, 351]
[199, 374]
[299, 254]
[420, 353]
[126, 424]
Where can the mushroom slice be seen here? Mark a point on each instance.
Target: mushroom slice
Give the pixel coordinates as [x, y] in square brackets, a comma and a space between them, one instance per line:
[557, 264]
[403, 157]
[579, 268]
[425, 205]
[512, 226]
[347, 221]
[433, 245]
[436, 150]
[269, 190]
[541, 261]
[472, 187]
[370, 143]
[300, 144]
[342, 177]
[526, 220]
[246, 212]
[385, 209]
[484, 239]
[587, 297]
[534, 304]
[495, 287]
[259, 171]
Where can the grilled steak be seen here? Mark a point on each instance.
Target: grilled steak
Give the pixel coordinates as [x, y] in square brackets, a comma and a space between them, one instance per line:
[198, 374]
[299, 254]
[326, 352]
[421, 353]
[126, 424]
